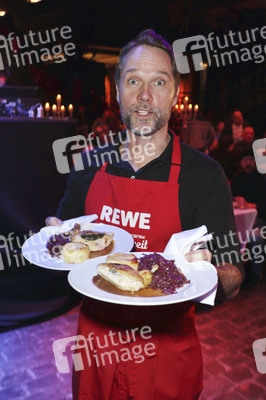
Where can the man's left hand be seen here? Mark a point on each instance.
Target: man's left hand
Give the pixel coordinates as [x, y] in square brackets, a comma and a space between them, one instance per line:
[199, 255]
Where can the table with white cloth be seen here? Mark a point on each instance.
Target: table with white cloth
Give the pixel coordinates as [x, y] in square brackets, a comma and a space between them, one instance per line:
[245, 218]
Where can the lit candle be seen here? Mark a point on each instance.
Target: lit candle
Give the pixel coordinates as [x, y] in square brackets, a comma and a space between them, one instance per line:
[63, 110]
[47, 109]
[54, 110]
[186, 100]
[196, 107]
[182, 107]
[58, 100]
[70, 110]
[189, 109]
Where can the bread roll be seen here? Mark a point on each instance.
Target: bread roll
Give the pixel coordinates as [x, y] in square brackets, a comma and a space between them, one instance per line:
[124, 258]
[74, 253]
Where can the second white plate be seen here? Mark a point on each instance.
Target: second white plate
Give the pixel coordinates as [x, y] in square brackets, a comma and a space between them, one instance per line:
[34, 249]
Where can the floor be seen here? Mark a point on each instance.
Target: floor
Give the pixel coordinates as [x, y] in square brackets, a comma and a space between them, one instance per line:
[227, 331]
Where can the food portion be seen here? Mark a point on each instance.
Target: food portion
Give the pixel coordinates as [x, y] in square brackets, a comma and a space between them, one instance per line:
[168, 277]
[74, 253]
[94, 240]
[154, 274]
[124, 258]
[124, 277]
[76, 245]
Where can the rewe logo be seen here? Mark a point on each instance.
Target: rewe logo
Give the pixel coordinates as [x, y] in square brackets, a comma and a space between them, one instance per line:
[125, 218]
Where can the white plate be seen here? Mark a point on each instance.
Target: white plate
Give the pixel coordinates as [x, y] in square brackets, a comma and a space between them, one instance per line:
[35, 251]
[202, 276]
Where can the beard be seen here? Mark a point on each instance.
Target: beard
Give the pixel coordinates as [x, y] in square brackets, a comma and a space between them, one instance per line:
[144, 126]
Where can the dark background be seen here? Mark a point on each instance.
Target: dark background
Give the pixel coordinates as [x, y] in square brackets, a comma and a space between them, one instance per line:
[114, 23]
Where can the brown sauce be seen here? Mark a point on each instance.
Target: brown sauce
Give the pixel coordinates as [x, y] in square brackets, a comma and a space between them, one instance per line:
[103, 252]
[103, 284]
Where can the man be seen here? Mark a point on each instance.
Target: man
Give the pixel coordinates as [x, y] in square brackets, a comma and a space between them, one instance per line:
[235, 129]
[199, 134]
[248, 134]
[149, 171]
[249, 189]
[237, 148]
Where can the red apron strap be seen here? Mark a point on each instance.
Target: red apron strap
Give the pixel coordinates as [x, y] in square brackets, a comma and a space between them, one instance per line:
[176, 161]
[103, 167]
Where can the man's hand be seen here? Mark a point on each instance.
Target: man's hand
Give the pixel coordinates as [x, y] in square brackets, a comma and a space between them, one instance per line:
[199, 255]
[229, 276]
[53, 221]
[229, 281]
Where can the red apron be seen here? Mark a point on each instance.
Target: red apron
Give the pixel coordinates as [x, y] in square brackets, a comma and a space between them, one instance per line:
[149, 210]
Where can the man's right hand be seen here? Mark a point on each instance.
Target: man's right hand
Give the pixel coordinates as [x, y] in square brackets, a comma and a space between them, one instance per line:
[53, 221]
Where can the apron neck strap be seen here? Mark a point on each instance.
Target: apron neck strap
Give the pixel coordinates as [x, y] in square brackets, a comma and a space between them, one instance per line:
[103, 167]
[176, 161]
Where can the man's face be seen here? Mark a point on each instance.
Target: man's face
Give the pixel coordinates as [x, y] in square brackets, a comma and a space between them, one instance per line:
[237, 118]
[248, 164]
[248, 134]
[146, 92]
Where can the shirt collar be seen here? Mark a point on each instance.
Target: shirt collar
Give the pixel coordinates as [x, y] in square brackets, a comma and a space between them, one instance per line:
[165, 157]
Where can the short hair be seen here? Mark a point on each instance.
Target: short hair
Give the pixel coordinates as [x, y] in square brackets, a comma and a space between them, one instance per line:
[246, 152]
[147, 38]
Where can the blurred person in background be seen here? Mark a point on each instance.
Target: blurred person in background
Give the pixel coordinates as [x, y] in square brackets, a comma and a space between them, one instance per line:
[234, 129]
[249, 189]
[199, 134]
[237, 148]
[219, 131]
